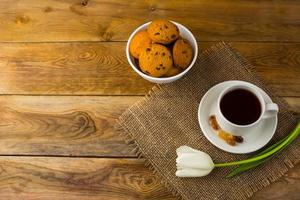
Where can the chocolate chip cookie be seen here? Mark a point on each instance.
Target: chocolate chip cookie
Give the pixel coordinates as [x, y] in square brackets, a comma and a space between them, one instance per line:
[173, 71]
[140, 41]
[163, 31]
[155, 60]
[182, 53]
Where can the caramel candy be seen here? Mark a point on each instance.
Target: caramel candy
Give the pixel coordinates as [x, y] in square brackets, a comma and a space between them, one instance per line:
[227, 137]
[213, 122]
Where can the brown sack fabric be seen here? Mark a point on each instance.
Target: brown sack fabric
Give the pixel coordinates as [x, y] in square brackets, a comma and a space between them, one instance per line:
[167, 118]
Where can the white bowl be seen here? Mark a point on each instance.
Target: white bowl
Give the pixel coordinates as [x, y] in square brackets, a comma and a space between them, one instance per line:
[185, 33]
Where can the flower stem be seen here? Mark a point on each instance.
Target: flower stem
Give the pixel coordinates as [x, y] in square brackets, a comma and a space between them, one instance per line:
[289, 139]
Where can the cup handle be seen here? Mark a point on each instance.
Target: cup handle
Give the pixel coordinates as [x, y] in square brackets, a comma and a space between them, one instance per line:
[271, 110]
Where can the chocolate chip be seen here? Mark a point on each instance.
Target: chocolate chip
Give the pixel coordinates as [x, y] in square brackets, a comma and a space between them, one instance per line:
[160, 65]
[148, 49]
[166, 27]
[184, 41]
[157, 33]
[173, 36]
[164, 68]
[156, 53]
[160, 28]
[157, 68]
[184, 52]
[163, 54]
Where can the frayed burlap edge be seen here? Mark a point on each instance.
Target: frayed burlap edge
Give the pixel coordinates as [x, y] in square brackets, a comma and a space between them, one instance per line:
[136, 150]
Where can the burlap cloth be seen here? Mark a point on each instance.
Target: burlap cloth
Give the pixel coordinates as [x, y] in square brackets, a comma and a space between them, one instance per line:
[167, 118]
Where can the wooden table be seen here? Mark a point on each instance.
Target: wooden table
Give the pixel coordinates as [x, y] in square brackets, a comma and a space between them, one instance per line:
[64, 80]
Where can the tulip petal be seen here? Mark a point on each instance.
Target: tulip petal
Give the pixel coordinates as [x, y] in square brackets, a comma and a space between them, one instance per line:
[192, 163]
[192, 173]
[184, 149]
[189, 160]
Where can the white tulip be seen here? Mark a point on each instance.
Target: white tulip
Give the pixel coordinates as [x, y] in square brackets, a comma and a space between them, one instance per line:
[193, 163]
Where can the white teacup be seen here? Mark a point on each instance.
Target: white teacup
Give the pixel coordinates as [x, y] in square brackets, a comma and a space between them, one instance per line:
[267, 111]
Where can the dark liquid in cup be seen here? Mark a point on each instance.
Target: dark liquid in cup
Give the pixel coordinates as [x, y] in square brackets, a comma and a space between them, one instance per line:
[240, 107]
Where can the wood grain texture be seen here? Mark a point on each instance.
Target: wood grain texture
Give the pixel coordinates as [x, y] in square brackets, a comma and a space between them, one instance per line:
[91, 178]
[102, 68]
[68, 68]
[100, 20]
[78, 178]
[67, 125]
[294, 104]
[287, 187]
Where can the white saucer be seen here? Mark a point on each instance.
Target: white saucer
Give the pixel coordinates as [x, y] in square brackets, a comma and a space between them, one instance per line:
[253, 140]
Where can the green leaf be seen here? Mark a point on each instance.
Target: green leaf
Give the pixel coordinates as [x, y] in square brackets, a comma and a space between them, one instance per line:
[245, 167]
[293, 135]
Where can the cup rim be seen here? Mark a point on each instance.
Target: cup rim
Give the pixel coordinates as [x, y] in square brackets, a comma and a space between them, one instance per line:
[252, 90]
[129, 57]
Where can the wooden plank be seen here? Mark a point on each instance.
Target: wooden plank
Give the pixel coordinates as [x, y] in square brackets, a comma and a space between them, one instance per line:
[78, 178]
[294, 104]
[287, 187]
[67, 125]
[68, 68]
[102, 68]
[91, 178]
[84, 20]
[277, 64]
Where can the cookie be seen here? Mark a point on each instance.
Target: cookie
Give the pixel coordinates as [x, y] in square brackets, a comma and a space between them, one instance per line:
[140, 41]
[155, 60]
[173, 71]
[182, 53]
[163, 31]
